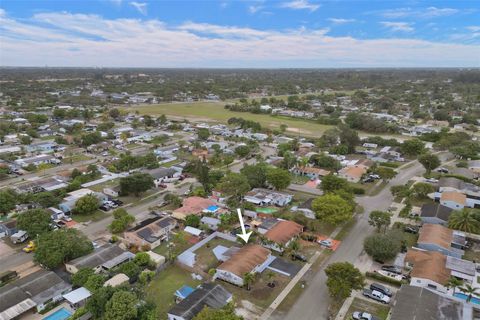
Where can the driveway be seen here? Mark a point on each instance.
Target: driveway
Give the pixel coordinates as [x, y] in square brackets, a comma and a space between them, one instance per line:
[313, 304]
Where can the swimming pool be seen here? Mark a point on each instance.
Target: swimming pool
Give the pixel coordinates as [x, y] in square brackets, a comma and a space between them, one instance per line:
[60, 314]
[464, 297]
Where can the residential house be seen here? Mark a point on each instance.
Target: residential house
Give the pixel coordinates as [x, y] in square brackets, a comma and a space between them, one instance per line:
[10, 149]
[42, 147]
[209, 295]
[112, 191]
[78, 297]
[166, 152]
[68, 203]
[31, 293]
[311, 172]
[428, 269]
[103, 258]
[420, 303]
[435, 213]
[211, 223]
[266, 197]
[161, 175]
[282, 234]
[192, 205]
[151, 231]
[37, 160]
[454, 200]
[40, 185]
[451, 186]
[251, 258]
[8, 228]
[305, 208]
[435, 237]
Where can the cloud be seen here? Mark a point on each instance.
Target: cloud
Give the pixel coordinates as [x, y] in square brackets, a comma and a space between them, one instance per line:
[340, 20]
[116, 2]
[426, 13]
[300, 5]
[140, 6]
[66, 39]
[398, 26]
[474, 28]
[254, 9]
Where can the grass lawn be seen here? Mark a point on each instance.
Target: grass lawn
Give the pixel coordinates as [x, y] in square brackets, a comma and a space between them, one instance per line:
[96, 216]
[206, 260]
[376, 309]
[160, 291]
[297, 179]
[259, 294]
[171, 163]
[75, 158]
[471, 255]
[215, 111]
[418, 202]
[179, 243]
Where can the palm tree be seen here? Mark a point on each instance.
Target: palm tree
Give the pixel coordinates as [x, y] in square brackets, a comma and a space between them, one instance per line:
[469, 291]
[454, 283]
[248, 279]
[464, 220]
[294, 246]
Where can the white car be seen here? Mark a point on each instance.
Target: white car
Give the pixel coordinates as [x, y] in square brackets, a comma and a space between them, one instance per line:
[359, 315]
[326, 243]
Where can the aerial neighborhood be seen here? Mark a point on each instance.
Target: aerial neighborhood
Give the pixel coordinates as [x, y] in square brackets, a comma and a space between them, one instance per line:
[155, 194]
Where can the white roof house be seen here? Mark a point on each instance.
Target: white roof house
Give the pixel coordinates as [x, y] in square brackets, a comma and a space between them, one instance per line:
[77, 295]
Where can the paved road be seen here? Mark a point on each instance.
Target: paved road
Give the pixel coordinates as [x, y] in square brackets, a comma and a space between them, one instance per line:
[313, 303]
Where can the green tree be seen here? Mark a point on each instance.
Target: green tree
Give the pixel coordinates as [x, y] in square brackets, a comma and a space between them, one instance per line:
[46, 199]
[278, 178]
[422, 189]
[234, 185]
[226, 313]
[470, 291]
[136, 183]
[332, 208]
[7, 201]
[454, 283]
[55, 248]
[342, 278]
[464, 220]
[386, 173]
[324, 161]
[412, 147]
[86, 204]
[331, 183]
[349, 137]
[82, 275]
[94, 282]
[97, 302]
[383, 247]
[122, 306]
[114, 113]
[142, 259]
[429, 161]
[256, 174]
[203, 134]
[192, 220]
[35, 222]
[242, 151]
[130, 268]
[248, 279]
[379, 219]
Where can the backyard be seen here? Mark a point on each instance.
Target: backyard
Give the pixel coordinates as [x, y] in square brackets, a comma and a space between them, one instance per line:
[162, 288]
[206, 260]
[376, 309]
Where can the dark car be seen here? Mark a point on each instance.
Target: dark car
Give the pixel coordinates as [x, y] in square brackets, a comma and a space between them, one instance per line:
[380, 288]
[117, 202]
[299, 256]
[392, 269]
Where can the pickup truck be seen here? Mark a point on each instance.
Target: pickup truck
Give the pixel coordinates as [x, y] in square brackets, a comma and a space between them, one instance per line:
[376, 295]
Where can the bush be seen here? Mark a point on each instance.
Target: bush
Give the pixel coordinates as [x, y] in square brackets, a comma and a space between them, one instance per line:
[379, 277]
[358, 190]
[390, 164]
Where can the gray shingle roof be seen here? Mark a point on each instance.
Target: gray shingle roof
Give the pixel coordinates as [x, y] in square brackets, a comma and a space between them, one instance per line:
[98, 257]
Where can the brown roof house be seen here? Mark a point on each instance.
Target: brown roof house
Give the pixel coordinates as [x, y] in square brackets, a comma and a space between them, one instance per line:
[151, 231]
[454, 200]
[281, 235]
[428, 269]
[435, 237]
[192, 205]
[251, 258]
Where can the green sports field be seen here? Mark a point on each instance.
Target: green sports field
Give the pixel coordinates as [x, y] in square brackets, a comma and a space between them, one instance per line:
[215, 112]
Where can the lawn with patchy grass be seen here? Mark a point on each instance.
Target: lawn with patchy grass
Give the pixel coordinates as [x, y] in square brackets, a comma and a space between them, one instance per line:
[205, 259]
[162, 288]
[376, 309]
[178, 244]
[215, 111]
[96, 216]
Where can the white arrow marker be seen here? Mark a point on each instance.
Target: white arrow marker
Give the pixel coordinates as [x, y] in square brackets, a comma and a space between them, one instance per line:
[244, 235]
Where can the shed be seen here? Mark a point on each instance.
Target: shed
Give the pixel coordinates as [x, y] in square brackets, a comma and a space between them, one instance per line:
[116, 280]
[192, 230]
[77, 297]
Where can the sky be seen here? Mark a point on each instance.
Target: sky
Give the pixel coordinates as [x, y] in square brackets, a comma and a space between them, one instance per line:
[240, 33]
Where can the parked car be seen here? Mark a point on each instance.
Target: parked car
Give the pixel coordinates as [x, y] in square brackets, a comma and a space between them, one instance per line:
[380, 288]
[442, 170]
[392, 269]
[376, 295]
[374, 176]
[30, 247]
[411, 229]
[104, 207]
[367, 180]
[299, 256]
[359, 315]
[326, 243]
[431, 180]
[162, 185]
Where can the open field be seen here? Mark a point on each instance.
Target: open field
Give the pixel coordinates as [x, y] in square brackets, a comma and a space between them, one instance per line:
[215, 111]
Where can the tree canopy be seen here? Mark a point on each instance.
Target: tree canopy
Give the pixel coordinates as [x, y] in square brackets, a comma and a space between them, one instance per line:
[136, 183]
[35, 222]
[343, 277]
[278, 178]
[332, 208]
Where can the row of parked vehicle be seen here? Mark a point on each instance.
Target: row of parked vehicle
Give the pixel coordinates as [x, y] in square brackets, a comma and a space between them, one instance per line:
[110, 204]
